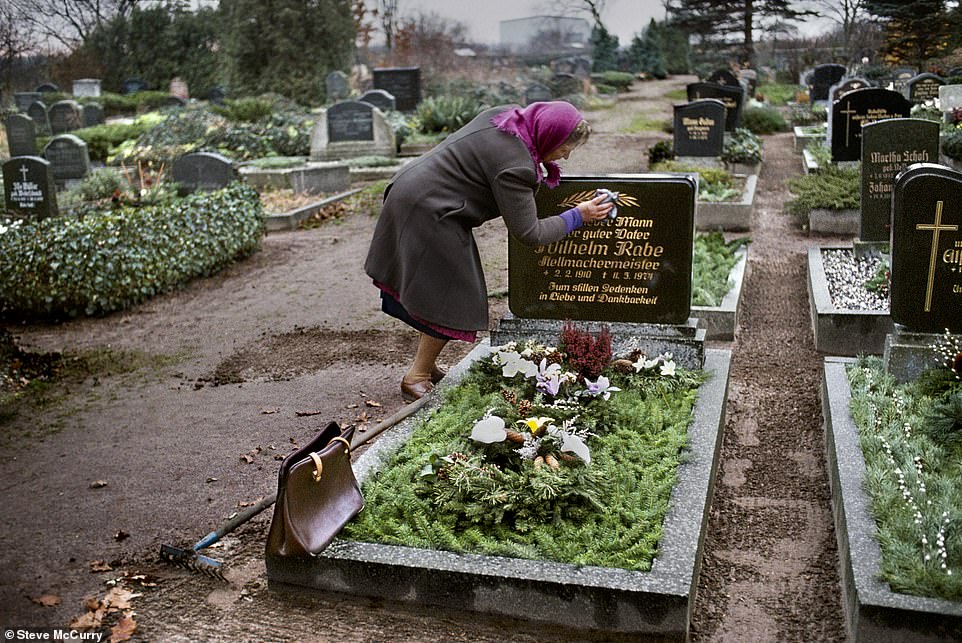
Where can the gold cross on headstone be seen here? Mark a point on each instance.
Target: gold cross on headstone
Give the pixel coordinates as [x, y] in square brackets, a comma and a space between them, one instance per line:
[848, 120]
[936, 227]
[24, 171]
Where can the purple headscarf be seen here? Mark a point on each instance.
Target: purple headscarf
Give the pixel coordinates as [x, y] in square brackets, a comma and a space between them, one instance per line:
[543, 127]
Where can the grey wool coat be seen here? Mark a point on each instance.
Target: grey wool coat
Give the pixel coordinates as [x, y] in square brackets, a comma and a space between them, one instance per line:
[423, 244]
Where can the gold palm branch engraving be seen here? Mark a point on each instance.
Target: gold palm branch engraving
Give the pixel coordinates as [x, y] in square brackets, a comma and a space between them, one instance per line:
[624, 200]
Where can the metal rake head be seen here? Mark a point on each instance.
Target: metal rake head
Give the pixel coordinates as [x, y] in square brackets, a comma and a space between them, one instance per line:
[191, 560]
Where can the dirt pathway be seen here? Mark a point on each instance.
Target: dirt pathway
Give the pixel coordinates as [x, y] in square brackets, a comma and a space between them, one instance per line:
[236, 369]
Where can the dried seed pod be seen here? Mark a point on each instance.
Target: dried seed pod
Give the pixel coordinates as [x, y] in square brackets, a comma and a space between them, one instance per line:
[622, 365]
[552, 461]
[538, 462]
[524, 408]
[514, 436]
[567, 457]
[509, 396]
[556, 357]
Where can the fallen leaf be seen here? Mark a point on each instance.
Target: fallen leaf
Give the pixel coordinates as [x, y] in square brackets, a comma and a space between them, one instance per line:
[98, 484]
[123, 630]
[100, 566]
[247, 458]
[373, 404]
[87, 621]
[119, 598]
[278, 457]
[212, 479]
[352, 406]
[306, 413]
[92, 604]
[269, 411]
[47, 600]
[362, 418]
[121, 536]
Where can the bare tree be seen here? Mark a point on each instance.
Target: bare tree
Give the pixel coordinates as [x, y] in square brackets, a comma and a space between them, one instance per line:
[387, 10]
[846, 13]
[69, 22]
[14, 42]
[574, 7]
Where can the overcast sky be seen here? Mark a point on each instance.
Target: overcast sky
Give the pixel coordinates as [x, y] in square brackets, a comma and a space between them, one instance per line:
[624, 18]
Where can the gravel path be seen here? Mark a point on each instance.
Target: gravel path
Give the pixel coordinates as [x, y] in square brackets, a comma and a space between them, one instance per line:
[294, 337]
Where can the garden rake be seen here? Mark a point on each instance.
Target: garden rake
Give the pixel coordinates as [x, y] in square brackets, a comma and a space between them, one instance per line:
[191, 559]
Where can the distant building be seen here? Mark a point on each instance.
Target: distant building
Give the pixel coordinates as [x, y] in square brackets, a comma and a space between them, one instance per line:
[545, 33]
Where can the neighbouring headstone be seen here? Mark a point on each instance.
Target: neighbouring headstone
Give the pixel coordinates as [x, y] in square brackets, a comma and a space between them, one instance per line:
[954, 72]
[902, 75]
[888, 147]
[217, 94]
[823, 77]
[38, 112]
[337, 85]
[923, 87]
[634, 268]
[404, 83]
[93, 115]
[749, 78]
[204, 171]
[699, 128]
[926, 275]
[732, 97]
[349, 130]
[724, 77]
[950, 99]
[845, 86]
[857, 108]
[132, 86]
[174, 101]
[69, 159]
[28, 187]
[65, 116]
[381, 99]
[178, 88]
[86, 88]
[564, 84]
[536, 93]
[24, 100]
[21, 135]
[47, 88]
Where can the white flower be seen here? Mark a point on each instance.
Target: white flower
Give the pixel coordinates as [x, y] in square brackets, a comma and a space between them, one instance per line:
[600, 388]
[513, 363]
[574, 444]
[668, 368]
[489, 429]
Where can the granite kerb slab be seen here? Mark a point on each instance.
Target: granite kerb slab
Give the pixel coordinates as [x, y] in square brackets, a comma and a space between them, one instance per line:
[289, 220]
[873, 612]
[728, 215]
[827, 221]
[657, 603]
[312, 176]
[842, 331]
[719, 321]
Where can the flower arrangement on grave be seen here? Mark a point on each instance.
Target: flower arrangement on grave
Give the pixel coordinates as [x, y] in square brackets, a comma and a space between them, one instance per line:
[563, 453]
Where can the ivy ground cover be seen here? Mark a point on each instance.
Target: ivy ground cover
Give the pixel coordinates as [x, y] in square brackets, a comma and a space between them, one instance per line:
[561, 454]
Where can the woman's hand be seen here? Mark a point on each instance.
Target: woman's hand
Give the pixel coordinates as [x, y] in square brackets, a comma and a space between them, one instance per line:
[595, 210]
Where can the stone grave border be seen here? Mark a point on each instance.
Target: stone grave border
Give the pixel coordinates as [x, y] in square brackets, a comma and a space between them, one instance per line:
[657, 603]
[728, 215]
[719, 321]
[289, 220]
[835, 222]
[841, 331]
[873, 612]
[330, 176]
[803, 138]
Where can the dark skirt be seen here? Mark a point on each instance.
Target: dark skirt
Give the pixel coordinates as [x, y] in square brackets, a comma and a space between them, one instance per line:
[394, 308]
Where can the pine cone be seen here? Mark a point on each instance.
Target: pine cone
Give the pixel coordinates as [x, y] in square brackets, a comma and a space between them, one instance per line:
[509, 396]
[552, 461]
[623, 366]
[538, 462]
[516, 437]
[556, 357]
[524, 408]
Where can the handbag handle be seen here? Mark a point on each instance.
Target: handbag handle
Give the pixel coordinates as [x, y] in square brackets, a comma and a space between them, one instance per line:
[319, 464]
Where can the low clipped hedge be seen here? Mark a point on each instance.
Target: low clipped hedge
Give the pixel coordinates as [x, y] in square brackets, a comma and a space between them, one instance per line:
[109, 260]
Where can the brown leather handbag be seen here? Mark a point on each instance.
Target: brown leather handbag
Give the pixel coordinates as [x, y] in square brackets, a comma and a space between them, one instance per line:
[317, 494]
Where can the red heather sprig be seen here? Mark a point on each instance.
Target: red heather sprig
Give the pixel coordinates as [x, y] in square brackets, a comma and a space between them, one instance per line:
[587, 354]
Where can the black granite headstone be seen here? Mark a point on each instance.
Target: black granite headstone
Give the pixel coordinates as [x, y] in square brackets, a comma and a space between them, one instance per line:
[28, 187]
[901, 76]
[923, 87]
[132, 86]
[337, 86]
[21, 135]
[636, 267]
[24, 100]
[380, 99]
[926, 290]
[699, 128]
[204, 171]
[857, 108]
[823, 77]
[47, 88]
[404, 83]
[38, 112]
[93, 115]
[888, 147]
[65, 116]
[68, 156]
[723, 77]
[350, 121]
[217, 94]
[732, 97]
[845, 86]
[536, 93]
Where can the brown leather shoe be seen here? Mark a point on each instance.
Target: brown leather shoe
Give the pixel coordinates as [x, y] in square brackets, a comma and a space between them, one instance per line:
[415, 391]
[437, 375]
